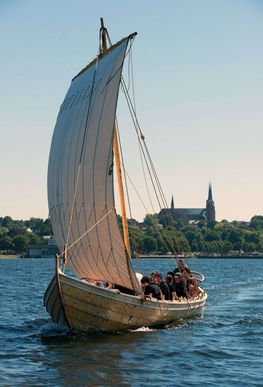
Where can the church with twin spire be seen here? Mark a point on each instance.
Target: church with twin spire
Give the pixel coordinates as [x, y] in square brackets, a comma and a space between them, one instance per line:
[192, 215]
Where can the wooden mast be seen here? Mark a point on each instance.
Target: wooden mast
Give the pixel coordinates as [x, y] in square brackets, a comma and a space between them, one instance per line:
[103, 46]
[121, 193]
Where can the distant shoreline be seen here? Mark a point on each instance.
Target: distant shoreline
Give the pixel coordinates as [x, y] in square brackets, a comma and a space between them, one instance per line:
[233, 257]
[2, 256]
[201, 257]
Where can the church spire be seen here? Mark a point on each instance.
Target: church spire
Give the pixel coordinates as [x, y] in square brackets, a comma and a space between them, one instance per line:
[172, 203]
[210, 192]
[210, 206]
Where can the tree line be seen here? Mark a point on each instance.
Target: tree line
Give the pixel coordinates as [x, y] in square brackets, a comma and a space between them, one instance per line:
[166, 235]
[17, 235]
[152, 236]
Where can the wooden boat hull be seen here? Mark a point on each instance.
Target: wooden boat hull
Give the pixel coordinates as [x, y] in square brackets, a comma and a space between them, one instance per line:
[86, 307]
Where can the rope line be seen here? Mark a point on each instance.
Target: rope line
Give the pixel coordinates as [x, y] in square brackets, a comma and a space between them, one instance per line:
[140, 136]
[155, 224]
[67, 248]
[145, 155]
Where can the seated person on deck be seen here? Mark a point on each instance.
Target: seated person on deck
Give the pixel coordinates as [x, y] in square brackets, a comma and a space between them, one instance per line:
[185, 285]
[190, 282]
[124, 290]
[151, 288]
[193, 286]
[170, 282]
[163, 286]
[180, 285]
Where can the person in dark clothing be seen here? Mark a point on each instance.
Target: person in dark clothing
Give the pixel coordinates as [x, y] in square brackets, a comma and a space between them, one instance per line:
[170, 282]
[180, 285]
[163, 286]
[124, 290]
[181, 267]
[151, 288]
[153, 274]
[187, 278]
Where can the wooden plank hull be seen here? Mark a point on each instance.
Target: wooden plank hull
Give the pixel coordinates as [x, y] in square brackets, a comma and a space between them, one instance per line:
[88, 307]
[54, 304]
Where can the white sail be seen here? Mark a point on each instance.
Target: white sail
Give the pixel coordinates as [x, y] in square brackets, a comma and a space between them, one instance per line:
[80, 177]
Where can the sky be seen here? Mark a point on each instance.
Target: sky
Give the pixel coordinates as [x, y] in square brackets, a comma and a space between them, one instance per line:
[199, 95]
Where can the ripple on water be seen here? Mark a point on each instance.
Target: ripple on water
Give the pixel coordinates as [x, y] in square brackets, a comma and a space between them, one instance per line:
[224, 348]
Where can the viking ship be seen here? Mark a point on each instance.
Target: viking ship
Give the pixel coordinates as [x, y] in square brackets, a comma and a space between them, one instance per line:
[84, 158]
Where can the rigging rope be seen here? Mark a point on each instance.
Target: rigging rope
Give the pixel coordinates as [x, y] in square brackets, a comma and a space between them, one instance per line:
[155, 224]
[145, 155]
[67, 248]
[144, 152]
[145, 179]
[140, 136]
[131, 77]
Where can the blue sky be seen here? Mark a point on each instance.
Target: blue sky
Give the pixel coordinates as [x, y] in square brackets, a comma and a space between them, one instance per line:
[199, 95]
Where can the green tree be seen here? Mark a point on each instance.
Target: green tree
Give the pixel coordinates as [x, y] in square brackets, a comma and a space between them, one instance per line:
[6, 243]
[136, 240]
[20, 243]
[257, 222]
[7, 222]
[250, 246]
[226, 247]
[251, 237]
[211, 224]
[34, 239]
[195, 238]
[2, 231]
[150, 220]
[176, 241]
[235, 236]
[212, 235]
[166, 220]
[149, 245]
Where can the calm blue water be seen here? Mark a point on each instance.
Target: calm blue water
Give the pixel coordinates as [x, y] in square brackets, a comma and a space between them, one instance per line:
[224, 348]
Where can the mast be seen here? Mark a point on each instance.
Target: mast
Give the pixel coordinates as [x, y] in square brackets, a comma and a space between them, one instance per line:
[103, 47]
[103, 36]
[121, 193]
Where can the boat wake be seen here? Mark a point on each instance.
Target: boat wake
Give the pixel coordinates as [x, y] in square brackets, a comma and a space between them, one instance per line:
[143, 329]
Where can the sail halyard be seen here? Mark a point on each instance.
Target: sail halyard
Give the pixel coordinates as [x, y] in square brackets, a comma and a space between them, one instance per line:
[88, 114]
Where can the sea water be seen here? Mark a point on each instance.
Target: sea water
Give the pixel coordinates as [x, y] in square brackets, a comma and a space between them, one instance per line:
[223, 348]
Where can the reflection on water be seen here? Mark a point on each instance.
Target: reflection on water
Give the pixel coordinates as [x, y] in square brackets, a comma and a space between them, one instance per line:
[118, 358]
[84, 358]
